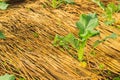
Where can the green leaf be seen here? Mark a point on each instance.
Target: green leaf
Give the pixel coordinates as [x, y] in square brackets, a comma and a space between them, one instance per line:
[3, 5]
[7, 77]
[111, 7]
[118, 8]
[2, 36]
[109, 22]
[66, 41]
[101, 66]
[99, 3]
[35, 34]
[56, 3]
[96, 43]
[57, 39]
[69, 1]
[111, 36]
[86, 24]
[110, 10]
[116, 78]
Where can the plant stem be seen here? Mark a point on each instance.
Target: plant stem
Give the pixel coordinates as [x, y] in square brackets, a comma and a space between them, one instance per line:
[54, 3]
[81, 50]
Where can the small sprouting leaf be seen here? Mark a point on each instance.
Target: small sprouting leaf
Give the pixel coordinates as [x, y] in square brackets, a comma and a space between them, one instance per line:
[35, 34]
[2, 36]
[57, 39]
[56, 3]
[111, 36]
[69, 1]
[110, 10]
[118, 8]
[3, 5]
[101, 66]
[109, 22]
[96, 43]
[99, 3]
[7, 77]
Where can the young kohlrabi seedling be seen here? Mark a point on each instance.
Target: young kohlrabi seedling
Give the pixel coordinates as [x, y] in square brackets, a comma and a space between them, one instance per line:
[86, 26]
[57, 3]
[7, 77]
[3, 5]
[110, 9]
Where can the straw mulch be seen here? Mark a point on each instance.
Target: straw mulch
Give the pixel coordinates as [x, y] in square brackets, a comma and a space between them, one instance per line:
[28, 52]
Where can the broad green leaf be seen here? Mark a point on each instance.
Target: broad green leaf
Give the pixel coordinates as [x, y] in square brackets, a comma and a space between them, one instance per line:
[7, 77]
[86, 24]
[88, 34]
[99, 3]
[2, 36]
[3, 5]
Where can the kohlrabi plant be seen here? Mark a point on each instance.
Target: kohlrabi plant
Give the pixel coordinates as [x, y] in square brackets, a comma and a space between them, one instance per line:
[110, 9]
[86, 26]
